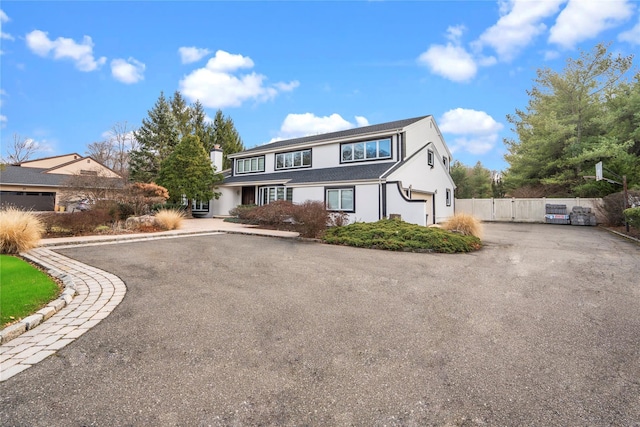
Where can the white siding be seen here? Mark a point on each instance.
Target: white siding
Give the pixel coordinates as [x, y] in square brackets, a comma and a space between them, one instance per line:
[228, 200]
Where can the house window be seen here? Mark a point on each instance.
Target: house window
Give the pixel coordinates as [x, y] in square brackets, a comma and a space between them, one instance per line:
[267, 195]
[430, 157]
[448, 196]
[199, 205]
[445, 160]
[294, 159]
[252, 164]
[340, 199]
[88, 172]
[367, 150]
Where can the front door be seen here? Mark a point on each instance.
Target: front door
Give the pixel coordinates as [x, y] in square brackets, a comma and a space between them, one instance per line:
[249, 195]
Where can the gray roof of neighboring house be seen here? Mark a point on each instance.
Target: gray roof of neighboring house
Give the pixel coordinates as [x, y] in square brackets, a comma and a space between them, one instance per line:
[335, 174]
[17, 175]
[398, 124]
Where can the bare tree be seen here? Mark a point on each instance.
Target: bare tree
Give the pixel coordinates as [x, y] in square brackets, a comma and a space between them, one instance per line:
[114, 151]
[20, 150]
[92, 185]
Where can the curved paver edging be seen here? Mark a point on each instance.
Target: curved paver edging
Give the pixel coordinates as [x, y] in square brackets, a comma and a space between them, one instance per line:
[98, 293]
[30, 322]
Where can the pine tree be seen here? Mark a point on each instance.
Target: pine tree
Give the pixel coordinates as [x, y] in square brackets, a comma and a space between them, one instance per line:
[156, 139]
[182, 115]
[226, 135]
[188, 172]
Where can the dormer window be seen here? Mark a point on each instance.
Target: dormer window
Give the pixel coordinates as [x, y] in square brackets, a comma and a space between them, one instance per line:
[293, 159]
[252, 164]
[366, 150]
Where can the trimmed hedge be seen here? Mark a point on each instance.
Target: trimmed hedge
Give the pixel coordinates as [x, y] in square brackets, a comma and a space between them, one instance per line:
[632, 215]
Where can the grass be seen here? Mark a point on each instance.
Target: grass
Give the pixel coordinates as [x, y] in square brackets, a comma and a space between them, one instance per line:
[397, 235]
[169, 219]
[24, 289]
[464, 224]
[19, 230]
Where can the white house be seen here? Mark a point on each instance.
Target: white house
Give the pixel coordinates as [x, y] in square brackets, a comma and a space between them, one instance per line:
[371, 172]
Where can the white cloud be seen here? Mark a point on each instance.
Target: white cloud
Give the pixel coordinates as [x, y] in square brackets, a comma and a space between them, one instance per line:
[362, 121]
[228, 62]
[64, 48]
[3, 120]
[216, 85]
[519, 23]
[581, 20]
[4, 18]
[451, 62]
[478, 130]
[631, 36]
[298, 125]
[454, 33]
[127, 71]
[192, 54]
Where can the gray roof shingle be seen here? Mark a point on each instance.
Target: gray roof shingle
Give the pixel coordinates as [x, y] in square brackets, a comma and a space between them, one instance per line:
[398, 124]
[30, 176]
[335, 174]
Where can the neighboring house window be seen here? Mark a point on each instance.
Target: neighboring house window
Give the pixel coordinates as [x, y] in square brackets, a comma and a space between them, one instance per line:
[294, 159]
[340, 199]
[448, 197]
[430, 157]
[267, 195]
[252, 164]
[367, 150]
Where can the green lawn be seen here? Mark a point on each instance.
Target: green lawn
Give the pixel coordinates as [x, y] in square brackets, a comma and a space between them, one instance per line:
[23, 289]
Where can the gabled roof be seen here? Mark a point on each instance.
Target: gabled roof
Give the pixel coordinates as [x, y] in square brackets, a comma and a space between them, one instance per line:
[382, 127]
[17, 175]
[301, 176]
[61, 159]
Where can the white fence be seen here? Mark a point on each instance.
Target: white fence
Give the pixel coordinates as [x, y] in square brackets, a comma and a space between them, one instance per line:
[518, 210]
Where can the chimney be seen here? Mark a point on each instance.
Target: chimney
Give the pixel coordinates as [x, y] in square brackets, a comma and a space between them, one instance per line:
[216, 158]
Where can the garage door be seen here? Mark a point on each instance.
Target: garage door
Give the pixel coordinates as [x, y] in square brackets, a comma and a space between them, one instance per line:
[28, 200]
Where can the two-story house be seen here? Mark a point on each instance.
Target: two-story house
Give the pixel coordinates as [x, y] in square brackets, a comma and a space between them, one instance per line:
[371, 172]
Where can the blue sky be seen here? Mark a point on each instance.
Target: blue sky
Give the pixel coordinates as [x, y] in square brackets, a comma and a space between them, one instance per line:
[71, 70]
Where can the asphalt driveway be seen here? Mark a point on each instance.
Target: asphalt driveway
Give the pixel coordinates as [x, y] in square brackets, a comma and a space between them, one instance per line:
[539, 328]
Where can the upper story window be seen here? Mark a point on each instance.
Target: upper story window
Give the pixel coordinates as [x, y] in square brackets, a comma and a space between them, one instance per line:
[293, 159]
[430, 157]
[445, 162]
[251, 164]
[367, 150]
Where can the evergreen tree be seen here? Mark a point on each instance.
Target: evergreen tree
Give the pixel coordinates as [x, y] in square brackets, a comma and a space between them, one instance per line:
[156, 139]
[458, 173]
[182, 115]
[471, 182]
[188, 172]
[226, 135]
[566, 127]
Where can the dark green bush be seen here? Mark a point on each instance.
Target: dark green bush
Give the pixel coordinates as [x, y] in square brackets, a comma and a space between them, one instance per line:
[612, 206]
[397, 235]
[632, 215]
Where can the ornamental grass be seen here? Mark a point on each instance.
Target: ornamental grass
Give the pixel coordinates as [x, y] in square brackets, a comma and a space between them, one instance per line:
[464, 224]
[19, 230]
[169, 219]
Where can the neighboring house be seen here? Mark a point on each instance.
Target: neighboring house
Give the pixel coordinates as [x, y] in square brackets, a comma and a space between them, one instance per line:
[373, 172]
[39, 184]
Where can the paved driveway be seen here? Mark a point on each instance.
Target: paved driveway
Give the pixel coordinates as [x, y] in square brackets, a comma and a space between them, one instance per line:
[539, 328]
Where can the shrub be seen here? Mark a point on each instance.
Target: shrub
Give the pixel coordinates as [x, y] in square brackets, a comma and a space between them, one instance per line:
[338, 219]
[311, 218]
[169, 219]
[19, 230]
[242, 211]
[141, 196]
[612, 206]
[397, 235]
[77, 223]
[464, 224]
[275, 213]
[632, 215]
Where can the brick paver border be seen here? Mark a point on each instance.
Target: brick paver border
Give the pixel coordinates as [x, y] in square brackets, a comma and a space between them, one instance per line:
[98, 293]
